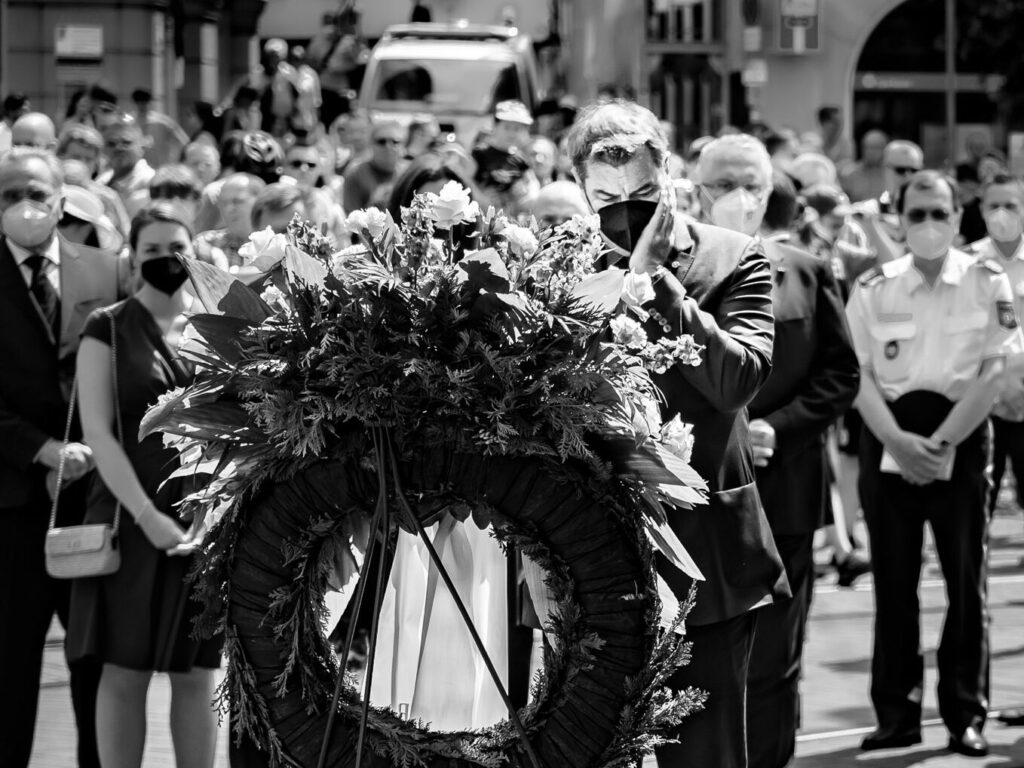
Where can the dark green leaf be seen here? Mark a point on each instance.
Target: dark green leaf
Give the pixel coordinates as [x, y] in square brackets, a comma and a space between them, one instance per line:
[224, 294]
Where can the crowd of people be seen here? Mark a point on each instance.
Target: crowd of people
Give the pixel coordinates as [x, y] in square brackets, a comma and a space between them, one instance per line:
[861, 352]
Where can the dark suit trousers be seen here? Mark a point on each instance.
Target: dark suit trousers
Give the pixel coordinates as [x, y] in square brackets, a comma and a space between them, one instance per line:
[1007, 443]
[717, 736]
[895, 513]
[28, 600]
[773, 697]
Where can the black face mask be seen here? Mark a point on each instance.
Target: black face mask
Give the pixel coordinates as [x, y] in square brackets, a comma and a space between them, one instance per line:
[624, 222]
[166, 274]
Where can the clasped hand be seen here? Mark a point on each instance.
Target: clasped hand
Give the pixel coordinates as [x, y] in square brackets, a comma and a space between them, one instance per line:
[77, 459]
[921, 459]
[763, 441]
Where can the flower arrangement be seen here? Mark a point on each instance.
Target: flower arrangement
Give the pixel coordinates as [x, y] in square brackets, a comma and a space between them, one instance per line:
[515, 348]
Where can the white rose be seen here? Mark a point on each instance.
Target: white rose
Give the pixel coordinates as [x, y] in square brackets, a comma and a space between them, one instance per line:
[677, 437]
[521, 239]
[372, 220]
[264, 250]
[628, 332]
[452, 206]
[273, 297]
[637, 289]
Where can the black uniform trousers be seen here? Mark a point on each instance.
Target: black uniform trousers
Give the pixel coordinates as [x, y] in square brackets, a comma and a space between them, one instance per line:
[721, 658]
[1007, 443]
[28, 600]
[895, 512]
[773, 696]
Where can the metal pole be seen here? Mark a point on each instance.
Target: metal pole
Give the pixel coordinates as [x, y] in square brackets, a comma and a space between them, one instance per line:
[951, 84]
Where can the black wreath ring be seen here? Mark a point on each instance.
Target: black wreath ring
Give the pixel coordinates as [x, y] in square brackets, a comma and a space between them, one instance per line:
[598, 564]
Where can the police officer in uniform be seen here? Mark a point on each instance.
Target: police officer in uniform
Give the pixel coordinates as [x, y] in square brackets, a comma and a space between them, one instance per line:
[813, 380]
[1002, 206]
[932, 331]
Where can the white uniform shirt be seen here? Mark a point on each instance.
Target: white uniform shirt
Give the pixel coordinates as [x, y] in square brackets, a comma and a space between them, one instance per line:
[919, 337]
[986, 249]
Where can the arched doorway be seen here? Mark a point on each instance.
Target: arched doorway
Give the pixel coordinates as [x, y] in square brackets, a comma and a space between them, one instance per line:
[900, 82]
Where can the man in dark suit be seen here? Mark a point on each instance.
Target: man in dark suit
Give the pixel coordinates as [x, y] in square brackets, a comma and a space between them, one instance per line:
[814, 379]
[716, 285]
[47, 288]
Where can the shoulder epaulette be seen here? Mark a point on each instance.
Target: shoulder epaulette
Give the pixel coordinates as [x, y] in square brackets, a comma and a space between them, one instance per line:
[871, 277]
[991, 265]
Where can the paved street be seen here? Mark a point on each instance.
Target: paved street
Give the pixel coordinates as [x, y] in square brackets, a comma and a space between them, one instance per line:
[837, 711]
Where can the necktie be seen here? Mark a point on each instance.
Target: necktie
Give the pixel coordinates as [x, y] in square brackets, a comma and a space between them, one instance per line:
[44, 292]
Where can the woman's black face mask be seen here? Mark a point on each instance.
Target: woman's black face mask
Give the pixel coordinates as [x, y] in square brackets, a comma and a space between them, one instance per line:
[166, 274]
[624, 222]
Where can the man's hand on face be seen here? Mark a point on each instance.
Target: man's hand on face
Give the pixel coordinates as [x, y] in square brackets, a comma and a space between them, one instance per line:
[655, 244]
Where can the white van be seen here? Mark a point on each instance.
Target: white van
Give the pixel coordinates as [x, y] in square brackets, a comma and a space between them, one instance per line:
[457, 71]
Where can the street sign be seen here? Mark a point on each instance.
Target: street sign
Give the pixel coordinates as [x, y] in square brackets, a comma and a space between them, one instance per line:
[799, 26]
[80, 42]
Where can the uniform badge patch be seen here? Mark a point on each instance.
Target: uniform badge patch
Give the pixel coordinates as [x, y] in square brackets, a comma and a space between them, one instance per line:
[1007, 317]
[892, 349]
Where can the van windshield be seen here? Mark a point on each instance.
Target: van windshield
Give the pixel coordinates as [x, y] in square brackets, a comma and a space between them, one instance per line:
[444, 85]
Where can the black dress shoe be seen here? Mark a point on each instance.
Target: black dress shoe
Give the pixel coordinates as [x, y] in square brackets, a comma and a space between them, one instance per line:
[853, 567]
[889, 737]
[970, 743]
[1011, 716]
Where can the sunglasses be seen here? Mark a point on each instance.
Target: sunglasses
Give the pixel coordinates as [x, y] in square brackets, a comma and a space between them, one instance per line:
[918, 215]
[903, 170]
[304, 165]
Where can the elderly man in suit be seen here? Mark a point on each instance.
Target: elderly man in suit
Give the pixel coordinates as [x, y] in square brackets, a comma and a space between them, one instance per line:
[814, 379]
[716, 285]
[48, 288]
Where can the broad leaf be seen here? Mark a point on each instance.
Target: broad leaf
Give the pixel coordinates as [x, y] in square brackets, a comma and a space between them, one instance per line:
[664, 539]
[602, 290]
[221, 333]
[223, 294]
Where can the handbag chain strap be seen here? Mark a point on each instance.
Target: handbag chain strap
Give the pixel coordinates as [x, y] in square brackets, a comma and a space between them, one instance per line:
[70, 420]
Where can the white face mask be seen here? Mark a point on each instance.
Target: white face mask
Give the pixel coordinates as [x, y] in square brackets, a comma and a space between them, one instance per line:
[1004, 226]
[930, 239]
[30, 223]
[738, 210]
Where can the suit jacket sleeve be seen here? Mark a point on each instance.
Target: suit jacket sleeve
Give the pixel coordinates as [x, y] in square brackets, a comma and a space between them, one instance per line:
[832, 386]
[737, 338]
[20, 440]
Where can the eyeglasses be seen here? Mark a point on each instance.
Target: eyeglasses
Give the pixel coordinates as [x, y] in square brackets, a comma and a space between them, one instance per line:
[384, 142]
[918, 215]
[720, 188]
[304, 165]
[903, 170]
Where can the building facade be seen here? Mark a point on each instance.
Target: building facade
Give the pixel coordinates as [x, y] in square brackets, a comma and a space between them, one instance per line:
[180, 50]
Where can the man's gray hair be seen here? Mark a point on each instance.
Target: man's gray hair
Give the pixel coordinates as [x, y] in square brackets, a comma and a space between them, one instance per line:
[20, 155]
[612, 132]
[733, 144]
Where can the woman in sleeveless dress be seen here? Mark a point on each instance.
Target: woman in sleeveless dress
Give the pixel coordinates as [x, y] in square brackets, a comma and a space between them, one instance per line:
[137, 621]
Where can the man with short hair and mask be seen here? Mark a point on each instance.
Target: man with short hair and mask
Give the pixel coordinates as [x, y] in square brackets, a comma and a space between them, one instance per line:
[933, 330]
[1002, 205]
[813, 381]
[716, 285]
[49, 287]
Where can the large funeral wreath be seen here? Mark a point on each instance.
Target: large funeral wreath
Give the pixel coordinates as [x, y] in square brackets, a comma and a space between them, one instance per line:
[417, 375]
